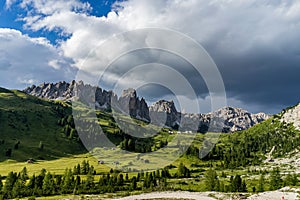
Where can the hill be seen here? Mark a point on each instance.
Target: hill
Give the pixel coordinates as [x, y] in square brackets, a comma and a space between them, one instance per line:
[276, 137]
[29, 128]
[243, 161]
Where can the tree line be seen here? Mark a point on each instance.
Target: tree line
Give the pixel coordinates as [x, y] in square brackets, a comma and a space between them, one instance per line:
[18, 185]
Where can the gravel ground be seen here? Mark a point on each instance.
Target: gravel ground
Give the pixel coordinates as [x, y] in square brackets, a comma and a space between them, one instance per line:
[179, 195]
[274, 195]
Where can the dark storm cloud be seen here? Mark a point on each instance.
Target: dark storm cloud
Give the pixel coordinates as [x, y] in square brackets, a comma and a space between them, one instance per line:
[265, 74]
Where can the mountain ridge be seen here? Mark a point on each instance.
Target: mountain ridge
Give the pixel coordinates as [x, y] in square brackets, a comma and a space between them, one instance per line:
[235, 119]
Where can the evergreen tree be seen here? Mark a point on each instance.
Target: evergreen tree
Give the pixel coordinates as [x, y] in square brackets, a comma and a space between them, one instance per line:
[183, 171]
[23, 174]
[41, 146]
[120, 180]
[8, 153]
[261, 183]
[211, 179]
[48, 185]
[18, 189]
[67, 184]
[236, 184]
[291, 180]
[89, 183]
[31, 183]
[275, 179]
[1, 184]
[9, 184]
[133, 184]
[244, 186]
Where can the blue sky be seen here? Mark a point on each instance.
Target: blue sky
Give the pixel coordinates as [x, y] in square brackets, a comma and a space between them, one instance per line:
[255, 44]
[10, 18]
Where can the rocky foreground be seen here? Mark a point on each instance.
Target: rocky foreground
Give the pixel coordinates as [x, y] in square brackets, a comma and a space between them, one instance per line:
[282, 194]
[286, 193]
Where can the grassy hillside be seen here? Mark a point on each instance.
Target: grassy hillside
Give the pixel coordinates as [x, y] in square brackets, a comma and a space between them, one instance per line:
[29, 128]
[45, 131]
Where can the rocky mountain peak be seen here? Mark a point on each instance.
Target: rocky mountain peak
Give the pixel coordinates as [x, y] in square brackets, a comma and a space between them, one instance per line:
[236, 119]
[164, 106]
[164, 112]
[131, 93]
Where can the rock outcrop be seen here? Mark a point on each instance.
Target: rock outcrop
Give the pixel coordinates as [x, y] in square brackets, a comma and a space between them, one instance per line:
[292, 115]
[226, 119]
[162, 113]
[131, 105]
[236, 119]
[128, 103]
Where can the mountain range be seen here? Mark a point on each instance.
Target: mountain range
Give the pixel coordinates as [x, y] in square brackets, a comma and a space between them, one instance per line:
[38, 122]
[227, 119]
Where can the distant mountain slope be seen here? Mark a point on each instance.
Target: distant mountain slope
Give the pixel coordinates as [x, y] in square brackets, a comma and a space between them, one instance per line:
[231, 119]
[277, 135]
[29, 128]
[228, 119]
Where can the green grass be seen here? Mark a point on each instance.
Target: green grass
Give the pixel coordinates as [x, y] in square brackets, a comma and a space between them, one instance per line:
[56, 166]
[30, 120]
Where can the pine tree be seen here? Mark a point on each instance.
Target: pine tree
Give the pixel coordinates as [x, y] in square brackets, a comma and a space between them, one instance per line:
[275, 179]
[23, 174]
[48, 185]
[9, 184]
[261, 183]
[244, 186]
[236, 184]
[31, 182]
[120, 180]
[41, 146]
[291, 180]
[183, 171]
[1, 184]
[67, 184]
[89, 183]
[210, 179]
[133, 184]
[18, 189]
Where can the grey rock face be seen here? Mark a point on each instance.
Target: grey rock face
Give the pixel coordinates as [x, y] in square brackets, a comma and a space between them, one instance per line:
[292, 116]
[236, 119]
[226, 119]
[131, 105]
[162, 113]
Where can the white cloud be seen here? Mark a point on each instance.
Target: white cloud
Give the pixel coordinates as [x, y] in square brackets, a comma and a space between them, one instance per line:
[244, 37]
[48, 7]
[27, 81]
[9, 3]
[25, 60]
[227, 24]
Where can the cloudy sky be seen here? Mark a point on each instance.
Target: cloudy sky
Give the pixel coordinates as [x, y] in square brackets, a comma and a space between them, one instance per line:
[254, 43]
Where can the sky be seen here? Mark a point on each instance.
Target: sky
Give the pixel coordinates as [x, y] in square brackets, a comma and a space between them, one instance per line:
[254, 43]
